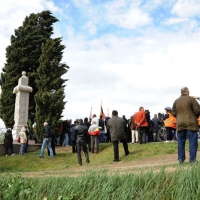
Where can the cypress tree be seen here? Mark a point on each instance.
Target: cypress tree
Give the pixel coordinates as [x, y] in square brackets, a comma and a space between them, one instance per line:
[50, 96]
[23, 55]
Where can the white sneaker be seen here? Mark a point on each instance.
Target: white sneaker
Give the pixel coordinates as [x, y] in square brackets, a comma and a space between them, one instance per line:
[6, 154]
[166, 141]
[13, 154]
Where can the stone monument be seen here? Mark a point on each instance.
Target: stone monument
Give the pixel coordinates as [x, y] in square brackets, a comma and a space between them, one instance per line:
[22, 91]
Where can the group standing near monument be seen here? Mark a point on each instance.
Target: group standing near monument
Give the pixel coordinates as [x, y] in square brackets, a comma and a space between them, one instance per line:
[180, 122]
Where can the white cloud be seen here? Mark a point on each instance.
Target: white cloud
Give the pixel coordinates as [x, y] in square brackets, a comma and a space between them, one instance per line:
[186, 8]
[79, 3]
[128, 16]
[90, 27]
[174, 20]
[130, 72]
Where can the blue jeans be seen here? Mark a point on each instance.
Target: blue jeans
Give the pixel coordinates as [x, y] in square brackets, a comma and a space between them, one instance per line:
[21, 151]
[101, 138]
[66, 140]
[193, 144]
[48, 144]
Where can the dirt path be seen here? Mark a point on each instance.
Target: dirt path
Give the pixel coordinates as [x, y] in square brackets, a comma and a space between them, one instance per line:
[133, 166]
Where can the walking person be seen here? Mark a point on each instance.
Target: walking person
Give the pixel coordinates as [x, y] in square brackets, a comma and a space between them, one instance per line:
[8, 142]
[87, 123]
[116, 125]
[46, 140]
[186, 110]
[23, 141]
[80, 133]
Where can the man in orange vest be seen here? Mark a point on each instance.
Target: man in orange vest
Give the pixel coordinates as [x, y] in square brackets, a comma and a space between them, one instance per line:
[170, 124]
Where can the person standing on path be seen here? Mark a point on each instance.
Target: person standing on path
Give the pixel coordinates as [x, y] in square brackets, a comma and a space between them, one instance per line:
[186, 110]
[116, 125]
[80, 133]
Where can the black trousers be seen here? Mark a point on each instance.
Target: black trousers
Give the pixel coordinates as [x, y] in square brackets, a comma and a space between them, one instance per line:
[142, 134]
[116, 148]
[52, 146]
[73, 142]
[82, 145]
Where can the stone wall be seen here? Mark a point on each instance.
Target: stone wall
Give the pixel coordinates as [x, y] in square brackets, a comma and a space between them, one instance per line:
[31, 147]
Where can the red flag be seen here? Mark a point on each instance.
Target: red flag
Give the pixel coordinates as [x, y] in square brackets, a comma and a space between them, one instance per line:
[102, 114]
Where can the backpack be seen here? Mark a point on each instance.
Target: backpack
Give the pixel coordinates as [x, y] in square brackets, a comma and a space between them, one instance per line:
[52, 133]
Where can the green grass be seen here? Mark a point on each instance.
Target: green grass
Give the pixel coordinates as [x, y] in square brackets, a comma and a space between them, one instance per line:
[183, 183]
[157, 183]
[31, 161]
[2, 136]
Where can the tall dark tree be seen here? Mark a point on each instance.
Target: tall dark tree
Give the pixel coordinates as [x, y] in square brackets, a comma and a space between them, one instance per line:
[23, 55]
[50, 96]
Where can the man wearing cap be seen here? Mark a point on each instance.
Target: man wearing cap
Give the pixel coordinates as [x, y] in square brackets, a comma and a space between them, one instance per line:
[186, 110]
[170, 124]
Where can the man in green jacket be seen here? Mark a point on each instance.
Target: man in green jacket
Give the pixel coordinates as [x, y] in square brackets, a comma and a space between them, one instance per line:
[186, 110]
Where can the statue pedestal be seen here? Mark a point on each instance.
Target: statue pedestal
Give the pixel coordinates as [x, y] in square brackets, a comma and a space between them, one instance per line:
[22, 91]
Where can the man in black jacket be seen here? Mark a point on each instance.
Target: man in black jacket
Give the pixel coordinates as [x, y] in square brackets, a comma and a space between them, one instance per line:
[88, 136]
[80, 133]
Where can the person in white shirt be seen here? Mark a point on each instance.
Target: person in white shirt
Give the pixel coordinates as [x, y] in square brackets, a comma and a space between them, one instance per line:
[95, 119]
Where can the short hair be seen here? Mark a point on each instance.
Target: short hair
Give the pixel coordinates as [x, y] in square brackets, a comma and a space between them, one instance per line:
[114, 113]
[184, 90]
[86, 119]
[94, 115]
[45, 123]
[140, 108]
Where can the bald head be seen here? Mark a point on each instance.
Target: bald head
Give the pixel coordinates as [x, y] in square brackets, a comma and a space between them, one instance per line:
[185, 90]
[45, 123]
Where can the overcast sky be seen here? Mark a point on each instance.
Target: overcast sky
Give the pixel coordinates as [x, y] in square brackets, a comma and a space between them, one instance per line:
[126, 53]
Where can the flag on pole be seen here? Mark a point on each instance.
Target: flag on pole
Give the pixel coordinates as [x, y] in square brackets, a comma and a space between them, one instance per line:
[102, 113]
[90, 117]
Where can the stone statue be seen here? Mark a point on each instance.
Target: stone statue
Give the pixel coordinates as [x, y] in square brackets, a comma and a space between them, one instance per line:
[22, 91]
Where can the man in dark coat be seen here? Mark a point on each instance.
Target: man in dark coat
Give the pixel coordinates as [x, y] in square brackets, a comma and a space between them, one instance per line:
[8, 142]
[116, 125]
[66, 133]
[80, 133]
[88, 136]
[186, 110]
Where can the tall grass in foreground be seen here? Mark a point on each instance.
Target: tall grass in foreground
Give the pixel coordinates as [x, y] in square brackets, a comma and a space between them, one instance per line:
[182, 183]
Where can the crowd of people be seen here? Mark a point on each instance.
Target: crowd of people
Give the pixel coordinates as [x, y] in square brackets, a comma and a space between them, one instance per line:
[85, 135]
